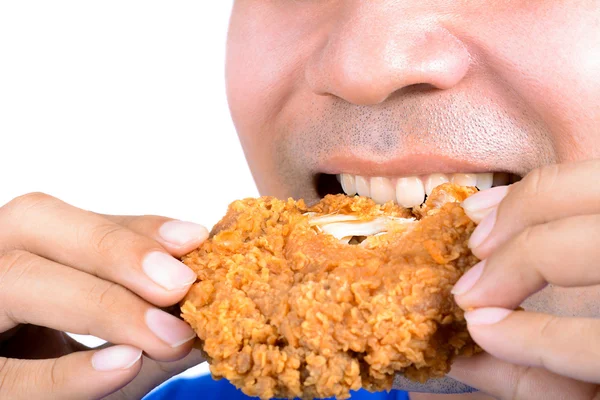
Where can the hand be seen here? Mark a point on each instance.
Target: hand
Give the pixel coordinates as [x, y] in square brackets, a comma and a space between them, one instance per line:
[65, 269]
[545, 230]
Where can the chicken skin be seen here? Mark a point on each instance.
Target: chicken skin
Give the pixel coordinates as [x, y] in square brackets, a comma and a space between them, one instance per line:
[311, 302]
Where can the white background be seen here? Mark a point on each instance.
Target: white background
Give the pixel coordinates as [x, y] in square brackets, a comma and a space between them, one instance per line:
[119, 107]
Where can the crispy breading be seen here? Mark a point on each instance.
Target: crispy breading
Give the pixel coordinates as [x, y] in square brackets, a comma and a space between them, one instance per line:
[284, 309]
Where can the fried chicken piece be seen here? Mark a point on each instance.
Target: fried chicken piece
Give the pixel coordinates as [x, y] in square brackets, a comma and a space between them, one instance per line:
[293, 301]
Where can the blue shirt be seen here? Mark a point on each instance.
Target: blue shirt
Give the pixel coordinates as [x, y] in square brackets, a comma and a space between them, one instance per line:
[205, 388]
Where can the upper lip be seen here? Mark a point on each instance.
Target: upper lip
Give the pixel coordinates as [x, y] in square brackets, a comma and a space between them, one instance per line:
[405, 165]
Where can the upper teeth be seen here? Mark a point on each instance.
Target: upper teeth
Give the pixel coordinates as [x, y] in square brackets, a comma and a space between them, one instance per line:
[410, 191]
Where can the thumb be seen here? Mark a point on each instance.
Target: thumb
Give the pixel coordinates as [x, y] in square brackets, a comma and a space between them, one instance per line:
[80, 375]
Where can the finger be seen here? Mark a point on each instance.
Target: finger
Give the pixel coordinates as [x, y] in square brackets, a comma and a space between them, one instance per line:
[55, 230]
[566, 346]
[558, 252]
[504, 380]
[153, 373]
[177, 237]
[546, 194]
[37, 291]
[82, 375]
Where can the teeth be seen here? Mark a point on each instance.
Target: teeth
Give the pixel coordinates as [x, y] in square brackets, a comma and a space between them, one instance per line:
[465, 179]
[362, 186]
[433, 181]
[410, 191]
[382, 190]
[348, 184]
[485, 181]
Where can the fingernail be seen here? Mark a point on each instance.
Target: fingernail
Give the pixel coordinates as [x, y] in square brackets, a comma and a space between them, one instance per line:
[181, 233]
[486, 316]
[167, 271]
[115, 357]
[479, 205]
[483, 230]
[168, 328]
[468, 280]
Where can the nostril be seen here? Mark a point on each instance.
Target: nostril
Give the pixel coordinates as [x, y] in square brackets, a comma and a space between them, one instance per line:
[418, 88]
[327, 184]
[353, 64]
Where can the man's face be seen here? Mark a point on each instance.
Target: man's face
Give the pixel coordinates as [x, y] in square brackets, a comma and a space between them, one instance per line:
[399, 95]
[411, 88]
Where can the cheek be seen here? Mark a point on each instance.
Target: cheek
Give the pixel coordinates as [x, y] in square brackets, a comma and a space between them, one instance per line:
[265, 52]
[268, 43]
[551, 57]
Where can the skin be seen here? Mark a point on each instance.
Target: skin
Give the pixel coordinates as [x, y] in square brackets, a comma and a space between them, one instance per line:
[66, 269]
[377, 88]
[401, 88]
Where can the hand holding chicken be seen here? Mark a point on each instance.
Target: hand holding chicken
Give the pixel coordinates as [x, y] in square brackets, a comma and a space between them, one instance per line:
[541, 233]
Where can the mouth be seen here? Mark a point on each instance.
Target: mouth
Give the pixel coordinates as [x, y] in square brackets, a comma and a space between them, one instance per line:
[406, 191]
[408, 179]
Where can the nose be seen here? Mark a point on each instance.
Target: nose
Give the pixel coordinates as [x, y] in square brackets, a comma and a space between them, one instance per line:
[371, 52]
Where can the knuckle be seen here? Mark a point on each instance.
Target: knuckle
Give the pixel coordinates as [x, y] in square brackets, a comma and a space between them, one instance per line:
[521, 388]
[547, 336]
[541, 180]
[526, 237]
[523, 242]
[4, 373]
[529, 241]
[14, 265]
[10, 259]
[12, 375]
[106, 238]
[547, 329]
[527, 255]
[56, 376]
[535, 258]
[22, 204]
[41, 376]
[109, 240]
[107, 297]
